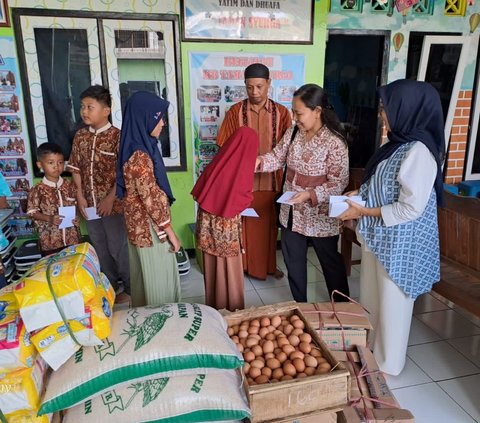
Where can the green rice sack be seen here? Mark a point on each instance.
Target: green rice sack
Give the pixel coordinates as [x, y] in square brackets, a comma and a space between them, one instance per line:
[160, 341]
[209, 397]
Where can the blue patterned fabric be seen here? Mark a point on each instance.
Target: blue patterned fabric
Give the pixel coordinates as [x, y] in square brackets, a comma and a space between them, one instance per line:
[409, 252]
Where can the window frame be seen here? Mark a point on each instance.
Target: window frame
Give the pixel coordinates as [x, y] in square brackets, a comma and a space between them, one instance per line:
[422, 69]
[98, 18]
[474, 127]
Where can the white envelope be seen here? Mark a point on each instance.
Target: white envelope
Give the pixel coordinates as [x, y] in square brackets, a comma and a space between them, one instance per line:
[68, 213]
[249, 213]
[338, 204]
[285, 197]
[92, 213]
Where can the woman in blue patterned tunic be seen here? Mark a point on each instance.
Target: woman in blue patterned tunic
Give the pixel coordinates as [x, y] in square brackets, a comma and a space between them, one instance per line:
[398, 226]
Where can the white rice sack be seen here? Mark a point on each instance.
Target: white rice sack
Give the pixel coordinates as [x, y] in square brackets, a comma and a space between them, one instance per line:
[28, 417]
[160, 341]
[203, 397]
[74, 274]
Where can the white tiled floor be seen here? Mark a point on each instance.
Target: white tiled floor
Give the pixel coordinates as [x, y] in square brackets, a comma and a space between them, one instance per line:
[441, 380]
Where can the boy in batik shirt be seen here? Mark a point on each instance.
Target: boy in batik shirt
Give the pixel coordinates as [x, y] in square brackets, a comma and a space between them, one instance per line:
[45, 198]
[93, 163]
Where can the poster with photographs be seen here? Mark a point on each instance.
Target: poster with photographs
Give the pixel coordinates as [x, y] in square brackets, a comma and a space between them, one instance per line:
[15, 162]
[217, 82]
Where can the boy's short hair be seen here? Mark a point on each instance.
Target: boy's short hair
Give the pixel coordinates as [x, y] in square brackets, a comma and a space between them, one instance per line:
[99, 93]
[48, 148]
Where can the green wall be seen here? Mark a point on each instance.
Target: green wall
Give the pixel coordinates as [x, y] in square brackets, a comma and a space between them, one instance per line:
[183, 210]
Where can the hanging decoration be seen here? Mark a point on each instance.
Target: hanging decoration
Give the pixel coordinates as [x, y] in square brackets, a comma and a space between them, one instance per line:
[471, 2]
[398, 40]
[474, 21]
[405, 4]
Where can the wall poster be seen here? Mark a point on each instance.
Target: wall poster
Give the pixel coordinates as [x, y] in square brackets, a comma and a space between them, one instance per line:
[277, 21]
[217, 82]
[15, 162]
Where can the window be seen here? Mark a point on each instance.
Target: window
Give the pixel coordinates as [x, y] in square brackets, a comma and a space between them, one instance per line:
[439, 60]
[63, 52]
[424, 7]
[382, 6]
[472, 169]
[455, 7]
[351, 5]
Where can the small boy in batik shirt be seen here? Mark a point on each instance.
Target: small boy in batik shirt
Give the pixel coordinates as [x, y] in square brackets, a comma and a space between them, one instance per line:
[45, 198]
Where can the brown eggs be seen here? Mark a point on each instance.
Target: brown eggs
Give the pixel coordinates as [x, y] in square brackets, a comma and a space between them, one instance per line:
[276, 348]
[276, 321]
[289, 369]
[264, 322]
[268, 347]
[304, 347]
[249, 356]
[294, 340]
[273, 363]
[305, 337]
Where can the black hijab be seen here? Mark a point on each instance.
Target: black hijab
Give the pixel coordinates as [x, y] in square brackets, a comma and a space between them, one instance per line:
[414, 113]
[142, 113]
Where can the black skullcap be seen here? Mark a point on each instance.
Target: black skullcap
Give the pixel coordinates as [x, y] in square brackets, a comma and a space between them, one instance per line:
[257, 70]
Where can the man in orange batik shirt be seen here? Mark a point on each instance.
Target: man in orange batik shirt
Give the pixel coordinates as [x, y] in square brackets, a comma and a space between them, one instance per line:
[270, 120]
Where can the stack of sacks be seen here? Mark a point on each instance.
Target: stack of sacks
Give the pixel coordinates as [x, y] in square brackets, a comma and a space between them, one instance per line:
[173, 362]
[66, 302]
[22, 372]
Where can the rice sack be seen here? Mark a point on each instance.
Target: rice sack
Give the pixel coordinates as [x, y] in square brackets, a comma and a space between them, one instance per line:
[28, 417]
[195, 398]
[159, 341]
[73, 273]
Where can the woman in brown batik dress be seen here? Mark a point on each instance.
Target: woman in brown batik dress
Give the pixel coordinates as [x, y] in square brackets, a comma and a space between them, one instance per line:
[317, 167]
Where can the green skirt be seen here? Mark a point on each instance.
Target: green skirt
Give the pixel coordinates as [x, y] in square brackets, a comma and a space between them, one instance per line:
[154, 276]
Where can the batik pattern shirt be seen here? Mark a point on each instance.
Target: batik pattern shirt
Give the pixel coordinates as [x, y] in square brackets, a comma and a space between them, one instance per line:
[270, 123]
[218, 236]
[46, 197]
[324, 158]
[94, 156]
[144, 203]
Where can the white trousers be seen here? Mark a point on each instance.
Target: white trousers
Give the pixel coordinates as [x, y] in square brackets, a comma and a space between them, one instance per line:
[390, 314]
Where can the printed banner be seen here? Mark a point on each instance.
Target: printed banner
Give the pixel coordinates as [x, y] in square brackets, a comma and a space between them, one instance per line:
[287, 21]
[15, 162]
[217, 82]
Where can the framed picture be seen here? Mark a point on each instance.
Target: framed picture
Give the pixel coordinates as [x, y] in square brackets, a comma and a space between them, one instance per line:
[4, 15]
[285, 22]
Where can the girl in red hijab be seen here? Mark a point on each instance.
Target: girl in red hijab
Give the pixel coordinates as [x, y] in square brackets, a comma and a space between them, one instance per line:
[222, 192]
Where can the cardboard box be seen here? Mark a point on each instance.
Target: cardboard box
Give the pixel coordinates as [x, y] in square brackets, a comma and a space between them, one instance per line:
[377, 415]
[349, 319]
[325, 417]
[298, 396]
[373, 385]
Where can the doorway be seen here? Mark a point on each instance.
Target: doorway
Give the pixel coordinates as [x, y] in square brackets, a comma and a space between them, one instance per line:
[356, 64]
